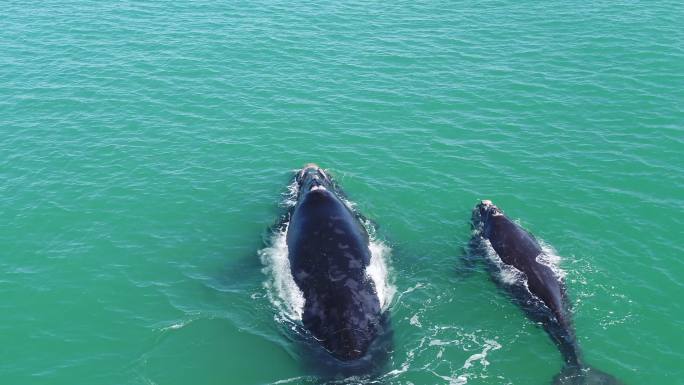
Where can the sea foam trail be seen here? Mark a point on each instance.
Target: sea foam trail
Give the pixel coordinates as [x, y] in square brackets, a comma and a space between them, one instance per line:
[283, 291]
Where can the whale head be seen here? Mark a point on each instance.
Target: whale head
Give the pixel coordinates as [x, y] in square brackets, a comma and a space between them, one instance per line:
[484, 213]
[486, 209]
[312, 179]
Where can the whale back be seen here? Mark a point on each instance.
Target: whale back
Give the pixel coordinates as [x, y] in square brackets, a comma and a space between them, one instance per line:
[328, 251]
[517, 247]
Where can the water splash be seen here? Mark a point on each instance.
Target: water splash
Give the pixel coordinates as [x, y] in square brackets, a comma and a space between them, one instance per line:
[550, 258]
[378, 271]
[280, 286]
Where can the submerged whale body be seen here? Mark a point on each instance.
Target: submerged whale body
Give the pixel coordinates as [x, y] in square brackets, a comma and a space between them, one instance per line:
[542, 296]
[328, 251]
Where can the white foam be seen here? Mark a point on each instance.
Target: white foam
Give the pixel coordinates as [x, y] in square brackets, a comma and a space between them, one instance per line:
[177, 325]
[396, 372]
[457, 380]
[482, 356]
[352, 206]
[551, 259]
[412, 289]
[462, 375]
[293, 380]
[415, 321]
[280, 285]
[378, 271]
[290, 197]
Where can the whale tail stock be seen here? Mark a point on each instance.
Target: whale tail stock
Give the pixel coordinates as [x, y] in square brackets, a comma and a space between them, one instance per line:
[575, 371]
[584, 375]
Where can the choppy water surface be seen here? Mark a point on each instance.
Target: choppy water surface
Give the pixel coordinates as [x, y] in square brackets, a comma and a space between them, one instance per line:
[145, 148]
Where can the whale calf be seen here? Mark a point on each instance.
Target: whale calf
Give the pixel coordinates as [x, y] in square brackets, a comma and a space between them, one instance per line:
[328, 249]
[542, 295]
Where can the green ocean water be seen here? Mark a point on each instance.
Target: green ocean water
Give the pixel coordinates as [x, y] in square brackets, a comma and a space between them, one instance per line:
[145, 148]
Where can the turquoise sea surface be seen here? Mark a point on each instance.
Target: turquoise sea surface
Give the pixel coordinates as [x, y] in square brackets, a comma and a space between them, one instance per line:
[146, 148]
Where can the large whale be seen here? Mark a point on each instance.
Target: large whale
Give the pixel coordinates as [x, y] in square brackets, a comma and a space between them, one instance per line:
[328, 249]
[542, 296]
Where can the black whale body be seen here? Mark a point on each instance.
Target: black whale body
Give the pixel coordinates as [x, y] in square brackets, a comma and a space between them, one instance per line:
[544, 299]
[328, 252]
